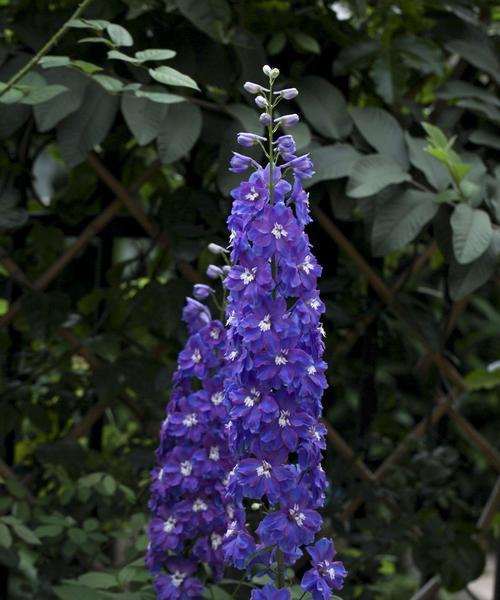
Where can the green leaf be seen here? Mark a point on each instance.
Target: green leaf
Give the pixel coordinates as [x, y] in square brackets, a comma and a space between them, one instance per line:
[110, 84]
[276, 43]
[472, 232]
[5, 536]
[434, 171]
[143, 117]
[210, 16]
[399, 219]
[420, 54]
[324, 107]
[97, 24]
[77, 536]
[482, 379]
[43, 94]
[26, 534]
[117, 55]
[215, 592]
[373, 173]
[382, 132]
[108, 484]
[179, 131]
[247, 116]
[154, 54]
[11, 217]
[485, 138]
[78, 592]
[305, 42]
[490, 112]
[119, 35]
[49, 531]
[452, 90]
[169, 76]
[388, 76]
[480, 52]
[82, 130]
[49, 62]
[48, 114]
[332, 162]
[86, 67]
[465, 279]
[99, 580]
[95, 40]
[161, 97]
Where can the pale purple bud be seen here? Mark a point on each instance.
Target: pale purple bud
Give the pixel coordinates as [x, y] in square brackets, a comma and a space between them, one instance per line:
[272, 73]
[249, 139]
[239, 163]
[265, 119]
[288, 93]
[226, 269]
[266, 70]
[214, 272]
[252, 88]
[287, 120]
[202, 291]
[261, 102]
[216, 249]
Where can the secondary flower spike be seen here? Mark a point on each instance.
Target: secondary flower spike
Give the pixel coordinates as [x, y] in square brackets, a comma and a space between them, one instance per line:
[275, 372]
[189, 511]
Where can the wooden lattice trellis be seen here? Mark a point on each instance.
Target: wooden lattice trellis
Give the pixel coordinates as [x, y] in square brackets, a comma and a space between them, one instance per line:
[444, 405]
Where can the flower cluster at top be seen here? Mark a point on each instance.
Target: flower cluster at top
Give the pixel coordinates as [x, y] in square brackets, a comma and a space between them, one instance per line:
[189, 513]
[275, 373]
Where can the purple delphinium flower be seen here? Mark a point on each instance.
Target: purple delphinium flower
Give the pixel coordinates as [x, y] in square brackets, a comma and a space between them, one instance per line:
[187, 503]
[326, 575]
[269, 592]
[274, 372]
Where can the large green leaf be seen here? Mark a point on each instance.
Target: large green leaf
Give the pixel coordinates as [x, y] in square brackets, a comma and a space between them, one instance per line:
[119, 35]
[382, 132]
[143, 117]
[170, 76]
[210, 16]
[472, 232]
[373, 173]
[434, 171]
[247, 116]
[479, 51]
[49, 114]
[452, 90]
[398, 219]
[80, 592]
[324, 107]
[332, 162]
[179, 131]
[82, 130]
[465, 279]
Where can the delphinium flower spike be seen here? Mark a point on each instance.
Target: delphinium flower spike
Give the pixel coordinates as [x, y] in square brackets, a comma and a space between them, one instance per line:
[275, 373]
[189, 512]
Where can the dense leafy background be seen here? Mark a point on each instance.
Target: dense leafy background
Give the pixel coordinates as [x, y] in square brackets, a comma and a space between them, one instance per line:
[72, 521]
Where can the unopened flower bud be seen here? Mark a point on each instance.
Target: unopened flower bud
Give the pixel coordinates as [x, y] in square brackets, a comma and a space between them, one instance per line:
[261, 102]
[265, 119]
[226, 269]
[249, 139]
[266, 70]
[288, 93]
[252, 88]
[240, 162]
[202, 291]
[216, 249]
[274, 73]
[214, 272]
[287, 120]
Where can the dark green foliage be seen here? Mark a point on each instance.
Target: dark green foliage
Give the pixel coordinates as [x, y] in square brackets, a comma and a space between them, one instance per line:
[401, 113]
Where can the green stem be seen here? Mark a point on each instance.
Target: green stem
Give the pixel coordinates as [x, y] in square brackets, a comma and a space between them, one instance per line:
[43, 51]
[271, 150]
[281, 569]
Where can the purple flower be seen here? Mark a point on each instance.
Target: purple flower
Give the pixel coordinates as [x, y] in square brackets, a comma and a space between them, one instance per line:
[269, 592]
[249, 139]
[288, 93]
[202, 291]
[286, 146]
[287, 120]
[179, 583]
[326, 575]
[293, 525]
[253, 88]
[238, 545]
[274, 230]
[301, 166]
[240, 163]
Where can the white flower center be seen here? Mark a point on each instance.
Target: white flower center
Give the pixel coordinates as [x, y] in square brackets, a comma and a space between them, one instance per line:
[252, 195]
[232, 527]
[217, 398]
[230, 318]
[196, 356]
[248, 275]
[314, 433]
[321, 329]
[214, 333]
[216, 540]
[307, 266]
[232, 236]
[326, 568]
[264, 469]
[252, 399]
[186, 468]
[296, 515]
[314, 303]
[232, 355]
[265, 324]
[177, 578]
[190, 420]
[283, 420]
[169, 525]
[281, 359]
[279, 231]
[199, 505]
[311, 370]
[160, 473]
[214, 453]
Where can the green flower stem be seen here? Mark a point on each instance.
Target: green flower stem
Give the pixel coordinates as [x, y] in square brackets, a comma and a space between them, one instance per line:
[44, 50]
